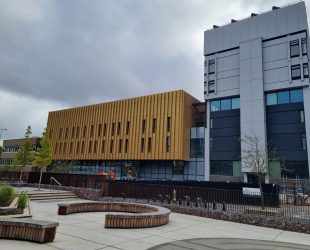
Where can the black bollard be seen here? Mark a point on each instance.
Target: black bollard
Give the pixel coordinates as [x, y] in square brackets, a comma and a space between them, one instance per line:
[224, 206]
[214, 205]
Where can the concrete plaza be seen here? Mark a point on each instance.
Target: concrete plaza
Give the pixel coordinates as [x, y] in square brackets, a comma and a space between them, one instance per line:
[86, 231]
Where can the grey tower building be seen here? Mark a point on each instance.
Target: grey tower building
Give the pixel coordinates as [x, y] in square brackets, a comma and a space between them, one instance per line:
[257, 81]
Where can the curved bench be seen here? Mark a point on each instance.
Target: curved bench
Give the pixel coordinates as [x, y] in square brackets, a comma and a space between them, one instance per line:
[129, 215]
[27, 229]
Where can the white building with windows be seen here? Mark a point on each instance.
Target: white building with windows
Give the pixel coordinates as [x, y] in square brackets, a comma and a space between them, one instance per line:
[257, 82]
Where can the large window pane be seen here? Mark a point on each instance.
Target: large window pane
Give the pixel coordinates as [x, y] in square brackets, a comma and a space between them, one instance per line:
[215, 105]
[235, 103]
[215, 167]
[294, 48]
[271, 99]
[296, 95]
[226, 104]
[227, 168]
[211, 66]
[283, 97]
[304, 46]
[296, 72]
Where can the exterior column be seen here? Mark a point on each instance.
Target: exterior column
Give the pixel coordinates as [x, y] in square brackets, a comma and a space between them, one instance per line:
[252, 100]
[207, 142]
[306, 93]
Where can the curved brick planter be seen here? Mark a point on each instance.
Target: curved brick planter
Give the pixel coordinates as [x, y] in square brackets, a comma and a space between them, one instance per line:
[129, 215]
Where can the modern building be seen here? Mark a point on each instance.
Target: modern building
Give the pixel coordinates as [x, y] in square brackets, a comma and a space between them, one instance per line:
[152, 137]
[256, 81]
[11, 147]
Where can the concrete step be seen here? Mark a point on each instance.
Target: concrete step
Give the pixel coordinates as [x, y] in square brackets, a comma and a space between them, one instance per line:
[51, 195]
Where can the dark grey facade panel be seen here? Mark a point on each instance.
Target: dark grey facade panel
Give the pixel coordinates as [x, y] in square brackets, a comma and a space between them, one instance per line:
[286, 142]
[298, 128]
[225, 113]
[285, 107]
[292, 155]
[224, 132]
[283, 117]
[222, 144]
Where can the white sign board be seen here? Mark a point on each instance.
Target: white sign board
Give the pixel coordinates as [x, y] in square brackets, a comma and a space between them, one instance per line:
[251, 191]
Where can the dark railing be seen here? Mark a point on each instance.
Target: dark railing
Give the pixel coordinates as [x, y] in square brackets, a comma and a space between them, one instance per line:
[227, 197]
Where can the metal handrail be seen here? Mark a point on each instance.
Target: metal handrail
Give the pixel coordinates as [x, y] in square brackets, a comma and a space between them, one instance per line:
[53, 183]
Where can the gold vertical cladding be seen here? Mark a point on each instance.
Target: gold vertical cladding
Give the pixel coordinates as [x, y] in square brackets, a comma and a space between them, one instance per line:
[176, 104]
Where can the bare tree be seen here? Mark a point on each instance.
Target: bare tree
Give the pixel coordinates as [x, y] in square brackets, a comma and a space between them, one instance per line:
[257, 155]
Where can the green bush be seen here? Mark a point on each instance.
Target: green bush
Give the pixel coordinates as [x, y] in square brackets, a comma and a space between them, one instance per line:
[7, 194]
[22, 200]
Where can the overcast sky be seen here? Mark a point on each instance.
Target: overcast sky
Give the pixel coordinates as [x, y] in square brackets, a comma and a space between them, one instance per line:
[63, 53]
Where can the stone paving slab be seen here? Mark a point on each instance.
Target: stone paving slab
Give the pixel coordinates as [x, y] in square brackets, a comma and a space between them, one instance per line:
[86, 231]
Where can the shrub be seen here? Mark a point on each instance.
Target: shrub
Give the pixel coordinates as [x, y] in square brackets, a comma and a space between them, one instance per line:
[22, 200]
[7, 194]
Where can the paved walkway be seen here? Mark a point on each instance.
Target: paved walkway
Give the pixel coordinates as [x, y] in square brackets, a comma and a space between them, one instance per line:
[86, 231]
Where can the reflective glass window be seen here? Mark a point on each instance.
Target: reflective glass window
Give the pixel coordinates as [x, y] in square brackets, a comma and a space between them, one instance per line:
[283, 97]
[296, 95]
[235, 103]
[226, 104]
[271, 99]
[215, 105]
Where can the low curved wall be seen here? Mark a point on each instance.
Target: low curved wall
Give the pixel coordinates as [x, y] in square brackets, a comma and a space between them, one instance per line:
[128, 215]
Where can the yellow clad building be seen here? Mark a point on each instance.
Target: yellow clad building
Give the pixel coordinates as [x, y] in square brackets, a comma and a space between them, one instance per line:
[147, 136]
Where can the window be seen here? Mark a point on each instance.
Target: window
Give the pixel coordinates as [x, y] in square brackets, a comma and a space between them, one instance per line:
[65, 148]
[168, 124]
[211, 86]
[143, 126]
[211, 144]
[304, 142]
[104, 129]
[296, 95]
[113, 128]
[221, 168]
[283, 97]
[111, 146]
[235, 103]
[142, 145]
[211, 122]
[66, 134]
[211, 66]
[72, 132]
[95, 147]
[50, 134]
[302, 116]
[103, 146]
[154, 125]
[306, 70]
[215, 105]
[149, 145]
[99, 130]
[294, 48]
[78, 147]
[60, 148]
[90, 146]
[120, 143]
[226, 104]
[168, 144]
[71, 146]
[83, 147]
[127, 128]
[126, 145]
[118, 128]
[304, 46]
[60, 133]
[56, 148]
[215, 167]
[91, 130]
[77, 132]
[271, 99]
[84, 131]
[295, 72]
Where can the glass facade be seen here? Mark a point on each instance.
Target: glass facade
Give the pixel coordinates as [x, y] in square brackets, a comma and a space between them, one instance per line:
[225, 104]
[283, 97]
[197, 142]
